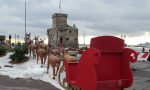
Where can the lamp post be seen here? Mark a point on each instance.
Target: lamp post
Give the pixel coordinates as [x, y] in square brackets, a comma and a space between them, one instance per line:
[123, 36]
[15, 39]
[84, 38]
[18, 38]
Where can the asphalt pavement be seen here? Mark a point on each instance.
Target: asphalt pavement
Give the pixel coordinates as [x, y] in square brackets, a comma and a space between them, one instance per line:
[7, 83]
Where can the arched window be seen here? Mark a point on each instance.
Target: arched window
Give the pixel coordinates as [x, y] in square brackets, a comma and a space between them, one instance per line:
[70, 32]
[61, 31]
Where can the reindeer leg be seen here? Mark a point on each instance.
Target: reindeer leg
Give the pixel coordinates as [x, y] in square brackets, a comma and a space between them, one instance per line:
[47, 67]
[37, 58]
[57, 69]
[53, 72]
[30, 52]
[41, 62]
[33, 54]
[41, 57]
[45, 59]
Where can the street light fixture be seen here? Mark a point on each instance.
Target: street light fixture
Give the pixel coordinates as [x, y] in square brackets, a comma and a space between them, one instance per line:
[18, 38]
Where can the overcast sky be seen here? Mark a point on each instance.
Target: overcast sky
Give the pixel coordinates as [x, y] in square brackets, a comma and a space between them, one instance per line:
[94, 17]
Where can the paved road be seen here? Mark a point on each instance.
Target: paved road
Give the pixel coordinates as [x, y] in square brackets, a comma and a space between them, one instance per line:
[7, 83]
[141, 73]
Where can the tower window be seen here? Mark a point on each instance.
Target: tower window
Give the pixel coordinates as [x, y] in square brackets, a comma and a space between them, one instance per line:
[69, 31]
[67, 39]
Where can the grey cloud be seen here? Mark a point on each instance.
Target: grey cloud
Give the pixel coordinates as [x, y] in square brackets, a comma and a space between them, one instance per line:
[98, 17]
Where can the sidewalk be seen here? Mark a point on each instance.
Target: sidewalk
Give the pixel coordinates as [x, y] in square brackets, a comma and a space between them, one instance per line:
[7, 83]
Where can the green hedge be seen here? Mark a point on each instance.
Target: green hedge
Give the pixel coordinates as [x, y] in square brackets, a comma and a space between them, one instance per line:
[2, 50]
[9, 48]
[19, 53]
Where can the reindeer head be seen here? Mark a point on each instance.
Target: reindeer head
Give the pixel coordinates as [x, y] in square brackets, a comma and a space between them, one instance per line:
[27, 36]
[42, 41]
[36, 37]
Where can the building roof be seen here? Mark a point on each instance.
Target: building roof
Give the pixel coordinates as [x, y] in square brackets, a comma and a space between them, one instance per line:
[59, 15]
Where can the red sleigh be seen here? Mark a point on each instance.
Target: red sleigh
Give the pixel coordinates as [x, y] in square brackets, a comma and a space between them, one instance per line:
[104, 66]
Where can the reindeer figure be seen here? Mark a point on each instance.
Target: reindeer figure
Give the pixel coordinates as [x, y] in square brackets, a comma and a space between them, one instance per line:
[37, 42]
[68, 57]
[42, 44]
[54, 61]
[28, 41]
[27, 38]
[33, 48]
[42, 52]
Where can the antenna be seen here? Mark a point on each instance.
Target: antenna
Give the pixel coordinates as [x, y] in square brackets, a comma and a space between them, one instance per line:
[25, 19]
[60, 6]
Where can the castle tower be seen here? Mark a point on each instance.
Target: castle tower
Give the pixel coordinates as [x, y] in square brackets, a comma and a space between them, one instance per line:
[59, 20]
[61, 34]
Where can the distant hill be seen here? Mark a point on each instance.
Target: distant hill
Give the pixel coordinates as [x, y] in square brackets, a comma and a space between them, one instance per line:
[146, 44]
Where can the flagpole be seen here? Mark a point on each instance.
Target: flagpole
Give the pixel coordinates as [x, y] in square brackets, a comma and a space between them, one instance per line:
[60, 6]
[25, 19]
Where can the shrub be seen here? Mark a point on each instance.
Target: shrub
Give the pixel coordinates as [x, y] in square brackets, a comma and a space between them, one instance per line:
[9, 48]
[83, 48]
[19, 53]
[2, 50]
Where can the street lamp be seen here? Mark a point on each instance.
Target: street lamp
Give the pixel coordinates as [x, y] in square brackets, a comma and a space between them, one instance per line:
[15, 39]
[10, 39]
[18, 38]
